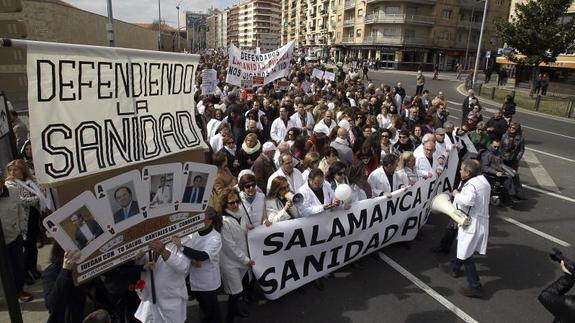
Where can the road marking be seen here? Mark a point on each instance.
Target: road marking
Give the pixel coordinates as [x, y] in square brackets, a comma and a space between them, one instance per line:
[523, 126]
[539, 172]
[538, 190]
[551, 155]
[537, 232]
[442, 300]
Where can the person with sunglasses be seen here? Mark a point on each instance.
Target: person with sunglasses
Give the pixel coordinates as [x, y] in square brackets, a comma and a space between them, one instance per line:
[278, 206]
[337, 175]
[404, 143]
[252, 201]
[235, 260]
[492, 166]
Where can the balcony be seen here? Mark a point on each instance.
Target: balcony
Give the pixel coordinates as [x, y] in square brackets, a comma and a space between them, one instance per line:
[347, 40]
[465, 25]
[399, 19]
[424, 2]
[349, 22]
[396, 40]
[350, 4]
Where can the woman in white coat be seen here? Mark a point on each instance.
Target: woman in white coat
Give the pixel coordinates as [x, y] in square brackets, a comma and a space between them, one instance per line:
[473, 198]
[235, 260]
[278, 206]
[203, 249]
[406, 168]
[169, 267]
[337, 175]
[253, 202]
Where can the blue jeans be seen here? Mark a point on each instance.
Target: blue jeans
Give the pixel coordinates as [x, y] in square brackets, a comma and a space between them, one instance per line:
[470, 271]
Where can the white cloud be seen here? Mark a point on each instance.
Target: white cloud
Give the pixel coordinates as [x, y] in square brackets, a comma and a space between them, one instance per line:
[146, 11]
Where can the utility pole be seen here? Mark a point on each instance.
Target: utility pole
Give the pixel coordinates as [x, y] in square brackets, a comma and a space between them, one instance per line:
[178, 31]
[479, 44]
[110, 24]
[159, 26]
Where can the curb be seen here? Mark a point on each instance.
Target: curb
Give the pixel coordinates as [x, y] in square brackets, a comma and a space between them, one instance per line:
[461, 90]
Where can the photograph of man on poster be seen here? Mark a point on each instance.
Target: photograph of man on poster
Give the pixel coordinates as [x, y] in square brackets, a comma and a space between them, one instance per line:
[126, 206]
[86, 229]
[163, 192]
[194, 192]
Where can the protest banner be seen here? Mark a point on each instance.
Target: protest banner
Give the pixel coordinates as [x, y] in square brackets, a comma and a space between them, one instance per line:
[292, 253]
[258, 80]
[317, 73]
[283, 85]
[209, 81]
[243, 65]
[94, 109]
[330, 76]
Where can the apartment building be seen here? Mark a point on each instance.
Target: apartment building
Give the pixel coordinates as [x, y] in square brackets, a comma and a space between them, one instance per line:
[411, 34]
[311, 23]
[255, 23]
[233, 14]
[196, 24]
[217, 32]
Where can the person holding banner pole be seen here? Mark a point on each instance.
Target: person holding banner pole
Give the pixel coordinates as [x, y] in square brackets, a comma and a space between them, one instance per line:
[169, 268]
[234, 261]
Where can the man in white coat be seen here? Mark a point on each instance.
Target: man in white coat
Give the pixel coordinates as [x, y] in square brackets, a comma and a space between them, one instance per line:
[303, 119]
[317, 195]
[326, 124]
[427, 165]
[472, 197]
[287, 170]
[385, 179]
[169, 270]
[280, 126]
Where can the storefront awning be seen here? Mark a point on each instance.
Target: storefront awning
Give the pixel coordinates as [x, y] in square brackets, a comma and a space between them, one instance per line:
[562, 62]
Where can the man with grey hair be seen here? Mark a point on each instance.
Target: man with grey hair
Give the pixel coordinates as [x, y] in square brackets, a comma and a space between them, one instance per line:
[468, 103]
[342, 146]
[287, 170]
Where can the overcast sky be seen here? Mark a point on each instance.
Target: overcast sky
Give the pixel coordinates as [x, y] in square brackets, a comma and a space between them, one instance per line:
[146, 11]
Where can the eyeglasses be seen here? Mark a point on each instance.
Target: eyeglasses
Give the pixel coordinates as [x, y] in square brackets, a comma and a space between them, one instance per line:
[250, 185]
[385, 136]
[496, 147]
[340, 173]
[236, 202]
[291, 134]
[402, 137]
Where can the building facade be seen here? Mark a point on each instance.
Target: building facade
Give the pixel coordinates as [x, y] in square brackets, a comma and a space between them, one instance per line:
[233, 14]
[196, 24]
[311, 23]
[400, 34]
[217, 29]
[258, 24]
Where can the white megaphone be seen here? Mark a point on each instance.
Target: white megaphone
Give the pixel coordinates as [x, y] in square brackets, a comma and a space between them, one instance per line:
[295, 198]
[442, 204]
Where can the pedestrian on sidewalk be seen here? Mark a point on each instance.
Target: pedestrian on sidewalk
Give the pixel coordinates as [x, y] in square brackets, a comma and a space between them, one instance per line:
[436, 72]
[536, 85]
[488, 73]
[420, 82]
[544, 83]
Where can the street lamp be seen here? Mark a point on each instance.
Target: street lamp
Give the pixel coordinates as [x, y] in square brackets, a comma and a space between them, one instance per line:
[479, 44]
[159, 26]
[178, 33]
[110, 24]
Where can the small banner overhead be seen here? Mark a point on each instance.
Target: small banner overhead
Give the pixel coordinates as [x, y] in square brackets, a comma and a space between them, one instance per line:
[100, 108]
[245, 65]
[292, 253]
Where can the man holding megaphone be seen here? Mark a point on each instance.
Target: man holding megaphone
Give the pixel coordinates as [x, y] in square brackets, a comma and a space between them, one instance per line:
[472, 198]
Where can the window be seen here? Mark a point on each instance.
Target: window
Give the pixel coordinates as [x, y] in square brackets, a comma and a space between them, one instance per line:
[360, 13]
[338, 17]
[447, 13]
[358, 33]
[391, 31]
[411, 11]
[444, 35]
[410, 33]
[391, 10]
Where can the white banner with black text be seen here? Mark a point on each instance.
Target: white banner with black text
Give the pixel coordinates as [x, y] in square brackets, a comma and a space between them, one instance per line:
[94, 109]
[292, 253]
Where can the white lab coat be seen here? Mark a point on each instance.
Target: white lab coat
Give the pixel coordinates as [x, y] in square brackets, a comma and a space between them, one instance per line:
[473, 199]
[279, 130]
[311, 204]
[379, 183]
[171, 293]
[276, 213]
[322, 127]
[423, 167]
[163, 195]
[297, 121]
[234, 257]
[207, 276]
[256, 211]
[295, 180]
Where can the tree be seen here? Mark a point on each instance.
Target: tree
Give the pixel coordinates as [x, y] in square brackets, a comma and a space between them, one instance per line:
[538, 32]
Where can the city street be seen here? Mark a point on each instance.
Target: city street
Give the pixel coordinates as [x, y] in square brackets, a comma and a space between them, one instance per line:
[406, 284]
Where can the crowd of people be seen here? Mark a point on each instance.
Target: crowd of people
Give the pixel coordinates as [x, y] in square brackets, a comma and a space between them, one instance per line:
[281, 152]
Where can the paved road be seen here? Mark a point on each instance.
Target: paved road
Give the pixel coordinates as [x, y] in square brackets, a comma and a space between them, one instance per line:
[514, 271]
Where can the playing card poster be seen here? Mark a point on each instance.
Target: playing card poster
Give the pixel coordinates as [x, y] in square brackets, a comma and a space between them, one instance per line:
[93, 109]
[110, 224]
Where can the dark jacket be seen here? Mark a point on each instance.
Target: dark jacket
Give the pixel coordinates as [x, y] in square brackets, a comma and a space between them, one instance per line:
[555, 301]
[499, 127]
[263, 169]
[64, 301]
[491, 161]
[508, 109]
